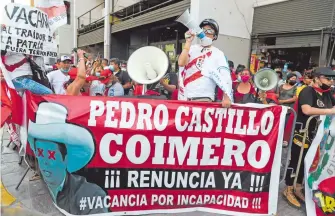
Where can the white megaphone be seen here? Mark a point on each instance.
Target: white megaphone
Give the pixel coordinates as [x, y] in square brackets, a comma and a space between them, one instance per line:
[266, 79]
[147, 65]
[187, 21]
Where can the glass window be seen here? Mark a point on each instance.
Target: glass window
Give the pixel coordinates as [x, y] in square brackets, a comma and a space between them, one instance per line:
[170, 50]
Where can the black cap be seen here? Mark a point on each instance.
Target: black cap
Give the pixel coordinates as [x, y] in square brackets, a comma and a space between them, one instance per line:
[324, 71]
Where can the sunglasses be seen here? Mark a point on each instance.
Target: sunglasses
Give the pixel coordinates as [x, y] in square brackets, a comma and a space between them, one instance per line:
[208, 31]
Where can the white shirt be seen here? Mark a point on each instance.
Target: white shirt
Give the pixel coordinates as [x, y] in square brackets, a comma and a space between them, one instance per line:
[115, 90]
[57, 80]
[181, 90]
[97, 88]
[213, 65]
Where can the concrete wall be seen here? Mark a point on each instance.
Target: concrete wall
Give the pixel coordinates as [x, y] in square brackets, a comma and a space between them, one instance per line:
[83, 6]
[235, 20]
[65, 36]
[235, 48]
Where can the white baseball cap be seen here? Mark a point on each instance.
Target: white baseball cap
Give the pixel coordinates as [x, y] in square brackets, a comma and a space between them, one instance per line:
[65, 57]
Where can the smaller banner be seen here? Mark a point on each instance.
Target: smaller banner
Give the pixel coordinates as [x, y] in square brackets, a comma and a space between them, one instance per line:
[320, 171]
[56, 11]
[140, 156]
[26, 30]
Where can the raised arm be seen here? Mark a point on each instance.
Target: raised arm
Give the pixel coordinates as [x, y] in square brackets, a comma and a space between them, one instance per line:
[184, 58]
[74, 88]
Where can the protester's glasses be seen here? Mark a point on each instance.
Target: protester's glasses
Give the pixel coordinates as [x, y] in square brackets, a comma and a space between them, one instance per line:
[208, 31]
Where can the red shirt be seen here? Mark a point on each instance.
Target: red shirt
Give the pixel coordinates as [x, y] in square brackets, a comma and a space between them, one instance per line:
[238, 97]
[219, 95]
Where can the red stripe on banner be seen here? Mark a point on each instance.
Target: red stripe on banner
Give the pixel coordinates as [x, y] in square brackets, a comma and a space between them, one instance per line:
[17, 107]
[5, 114]
[11, 68]
[6, 105]
[144, 200]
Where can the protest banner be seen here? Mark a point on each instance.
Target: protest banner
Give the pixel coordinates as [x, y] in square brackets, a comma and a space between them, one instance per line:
[26, 30]
[112, 156]
[320, 170]
[56, 11]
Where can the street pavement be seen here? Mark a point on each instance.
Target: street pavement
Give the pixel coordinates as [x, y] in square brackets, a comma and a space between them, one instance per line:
[33, 196]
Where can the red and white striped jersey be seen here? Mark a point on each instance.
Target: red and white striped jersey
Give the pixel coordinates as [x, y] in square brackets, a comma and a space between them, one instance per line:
[206, 69]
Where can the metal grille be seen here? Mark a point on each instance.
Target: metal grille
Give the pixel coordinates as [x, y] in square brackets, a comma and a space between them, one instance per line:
[293, 16]
[290, 41]
[154, 16]
[93, 37]
[299, 41]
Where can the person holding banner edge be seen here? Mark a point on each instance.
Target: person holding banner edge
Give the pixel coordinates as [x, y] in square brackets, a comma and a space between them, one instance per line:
[315, 99]
[205, 67]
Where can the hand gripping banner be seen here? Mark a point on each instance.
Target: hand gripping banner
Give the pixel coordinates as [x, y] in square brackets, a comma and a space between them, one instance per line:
[117, 156]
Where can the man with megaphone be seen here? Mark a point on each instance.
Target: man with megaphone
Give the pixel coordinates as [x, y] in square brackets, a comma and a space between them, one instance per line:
[205, 66]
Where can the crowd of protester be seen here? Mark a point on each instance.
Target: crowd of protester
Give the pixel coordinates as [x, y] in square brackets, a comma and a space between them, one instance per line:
[103, 77]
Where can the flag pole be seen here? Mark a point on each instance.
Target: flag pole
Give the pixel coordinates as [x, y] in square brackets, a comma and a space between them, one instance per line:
[75, 29]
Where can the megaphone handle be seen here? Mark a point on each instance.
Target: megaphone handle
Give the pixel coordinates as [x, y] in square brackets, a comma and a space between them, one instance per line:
[261, 99]
[144, 89]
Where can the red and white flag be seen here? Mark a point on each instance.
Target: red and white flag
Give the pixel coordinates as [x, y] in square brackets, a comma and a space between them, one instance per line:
[56, 11]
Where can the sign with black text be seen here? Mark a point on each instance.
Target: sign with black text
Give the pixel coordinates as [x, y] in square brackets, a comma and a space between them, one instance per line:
[26, 30]
[139, 156]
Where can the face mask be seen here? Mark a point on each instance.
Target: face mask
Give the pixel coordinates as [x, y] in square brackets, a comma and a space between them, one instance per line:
[292, 82]
[206, 41]
[65, 70]
[325, 87]
[111, 67]
[97, 74]
[245, 78]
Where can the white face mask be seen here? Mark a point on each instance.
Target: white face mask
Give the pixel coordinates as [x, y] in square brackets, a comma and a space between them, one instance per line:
[206, 41]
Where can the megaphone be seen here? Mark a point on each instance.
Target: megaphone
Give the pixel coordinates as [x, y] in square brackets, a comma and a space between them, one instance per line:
[187, 21]
[266, 79]
[147, 65]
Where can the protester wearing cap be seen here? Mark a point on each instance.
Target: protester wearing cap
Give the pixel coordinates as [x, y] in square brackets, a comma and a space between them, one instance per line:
[205, 67]
[78, 83]
[59, 77]
[63, 148]
[122, 76]
[98, 85]
[315, 99]
[113, 87]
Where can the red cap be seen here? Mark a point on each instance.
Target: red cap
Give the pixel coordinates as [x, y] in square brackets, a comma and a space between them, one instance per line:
[73, 73]
[105, 76]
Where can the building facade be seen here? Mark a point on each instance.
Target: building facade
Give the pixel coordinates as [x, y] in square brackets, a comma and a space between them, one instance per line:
[153, 23]
[138, 23]
[297, 32]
